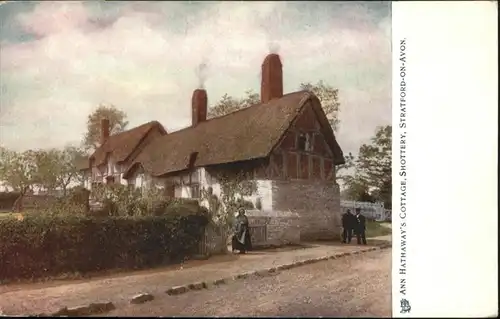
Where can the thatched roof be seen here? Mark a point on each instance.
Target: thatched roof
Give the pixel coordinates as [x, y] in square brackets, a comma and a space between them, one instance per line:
[120, 146]
[246, 134]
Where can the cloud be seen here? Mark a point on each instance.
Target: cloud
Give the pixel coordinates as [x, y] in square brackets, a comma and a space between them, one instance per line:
[144, 60]
[53, 17]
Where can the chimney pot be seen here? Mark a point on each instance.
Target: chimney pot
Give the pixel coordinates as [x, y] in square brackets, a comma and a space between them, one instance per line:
[272, 78]
[104, 130]
[199, 106]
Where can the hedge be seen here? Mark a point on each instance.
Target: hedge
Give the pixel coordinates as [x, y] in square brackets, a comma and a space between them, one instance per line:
[7, 200]
[41, 246]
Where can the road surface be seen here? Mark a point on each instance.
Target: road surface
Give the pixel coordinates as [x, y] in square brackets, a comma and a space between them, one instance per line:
[353, 286]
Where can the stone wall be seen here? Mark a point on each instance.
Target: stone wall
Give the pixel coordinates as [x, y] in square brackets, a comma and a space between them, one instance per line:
[281, 228]
[267, 228]
[316, 202]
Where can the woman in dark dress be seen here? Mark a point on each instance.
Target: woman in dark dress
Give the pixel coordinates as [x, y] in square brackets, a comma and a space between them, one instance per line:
[241, 240]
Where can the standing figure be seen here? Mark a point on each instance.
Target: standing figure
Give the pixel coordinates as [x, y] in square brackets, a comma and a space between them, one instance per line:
[348, 226]
[241, 240]
[361, 227]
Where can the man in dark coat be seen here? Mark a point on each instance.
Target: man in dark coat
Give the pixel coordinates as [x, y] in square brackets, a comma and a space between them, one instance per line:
[241, 240]
[360, 227]
[347, 225]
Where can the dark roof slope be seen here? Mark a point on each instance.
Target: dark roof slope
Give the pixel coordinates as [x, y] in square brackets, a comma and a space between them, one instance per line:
[242, 135]
[121, 145]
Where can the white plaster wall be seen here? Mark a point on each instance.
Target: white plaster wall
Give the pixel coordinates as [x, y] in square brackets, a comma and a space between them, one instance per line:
[205, 180]
[265, 193]
[110, 169]
[264, 190]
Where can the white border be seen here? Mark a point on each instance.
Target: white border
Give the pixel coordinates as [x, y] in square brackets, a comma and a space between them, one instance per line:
[452, 129]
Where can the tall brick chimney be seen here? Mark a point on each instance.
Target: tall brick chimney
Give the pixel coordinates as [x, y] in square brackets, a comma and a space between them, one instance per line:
[271, 86]
[104, 130]
[199, 106]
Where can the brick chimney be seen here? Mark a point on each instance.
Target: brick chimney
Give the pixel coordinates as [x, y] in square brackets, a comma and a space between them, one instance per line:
[104, 130]
[199, 106]
[271, 86]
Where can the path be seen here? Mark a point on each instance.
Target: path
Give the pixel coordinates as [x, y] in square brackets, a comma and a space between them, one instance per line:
[353, 286]
[40, 298]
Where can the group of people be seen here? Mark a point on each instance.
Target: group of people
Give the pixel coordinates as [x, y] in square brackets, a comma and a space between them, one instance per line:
[354, 224]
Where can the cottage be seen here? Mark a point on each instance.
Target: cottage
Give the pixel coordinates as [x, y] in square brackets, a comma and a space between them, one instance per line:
[116, 152]
[285, 144]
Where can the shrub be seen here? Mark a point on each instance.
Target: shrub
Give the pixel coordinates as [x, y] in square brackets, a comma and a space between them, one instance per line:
[375, 229]
[47, 245]
[243, 203]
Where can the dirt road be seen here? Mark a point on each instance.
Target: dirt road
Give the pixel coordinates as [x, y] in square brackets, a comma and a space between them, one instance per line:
[354, 286]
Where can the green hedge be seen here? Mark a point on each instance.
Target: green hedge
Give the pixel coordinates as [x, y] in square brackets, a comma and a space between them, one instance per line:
[41, 246]
[7, 200]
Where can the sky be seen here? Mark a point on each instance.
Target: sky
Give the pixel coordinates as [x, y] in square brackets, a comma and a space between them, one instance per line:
[60, 60]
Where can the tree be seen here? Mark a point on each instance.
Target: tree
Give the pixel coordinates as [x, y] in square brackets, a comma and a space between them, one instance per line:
[117, 123]
[57, 168]
[356, 190]
[234, 186]
[18, 170]
[228, 104]
[343, 173]
[329, 97]
[374, 165]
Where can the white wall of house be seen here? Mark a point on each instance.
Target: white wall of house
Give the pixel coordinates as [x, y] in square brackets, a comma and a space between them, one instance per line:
[202, 180]
[99, 174]
[199, 178]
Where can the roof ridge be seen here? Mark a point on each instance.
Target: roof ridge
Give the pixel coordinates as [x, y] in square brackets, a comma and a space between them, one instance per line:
[136, 127]
[241, 110]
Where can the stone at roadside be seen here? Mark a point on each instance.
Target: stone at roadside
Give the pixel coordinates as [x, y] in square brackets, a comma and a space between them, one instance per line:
[177, 290]
[197, 286]
[141, 298]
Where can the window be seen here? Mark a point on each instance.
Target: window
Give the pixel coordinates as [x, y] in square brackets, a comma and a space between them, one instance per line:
[96, 184]
[304, 142]
[195, 190]
[110, 179]
[169, 190]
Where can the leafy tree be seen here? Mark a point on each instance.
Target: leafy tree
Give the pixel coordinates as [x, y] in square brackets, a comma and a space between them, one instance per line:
[374, 165]
[343, 173]
[117, 122]
[329, 97]
[47, 167]
[384, 193]
[228, 104]
[18, 169]
[57, 168]
[356, 190]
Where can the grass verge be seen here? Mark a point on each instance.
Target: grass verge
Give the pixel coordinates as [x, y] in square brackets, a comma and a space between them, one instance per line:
[375, 229]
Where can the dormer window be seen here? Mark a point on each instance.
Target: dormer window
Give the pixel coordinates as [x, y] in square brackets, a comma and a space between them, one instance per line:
[304, 142]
